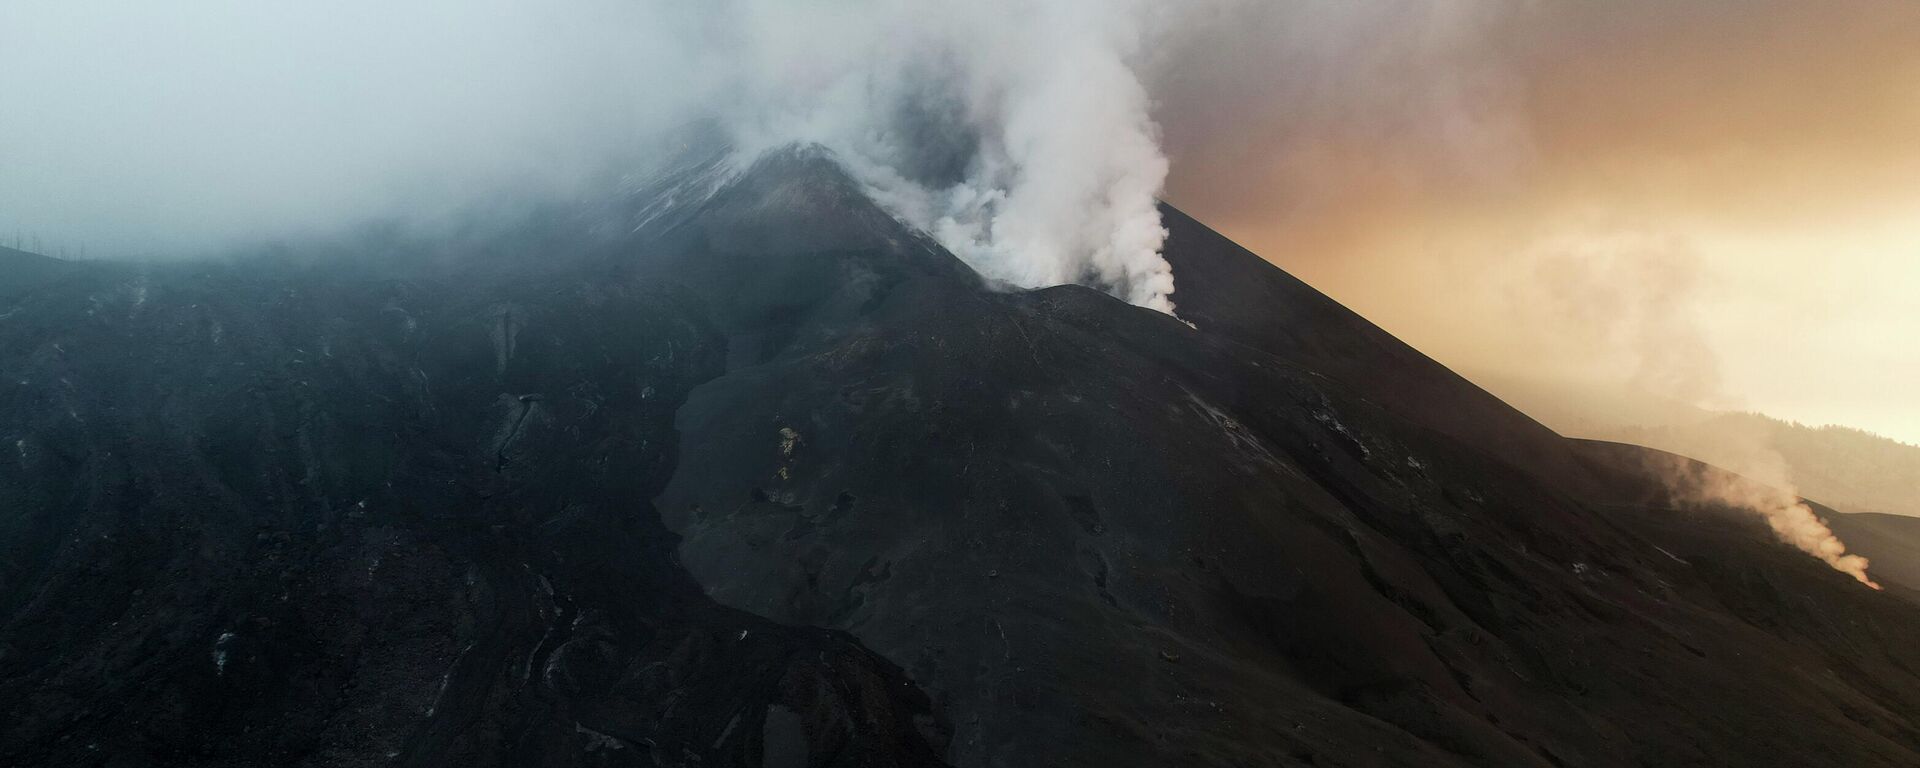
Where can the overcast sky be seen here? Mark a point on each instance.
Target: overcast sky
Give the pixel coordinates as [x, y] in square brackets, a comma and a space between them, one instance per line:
[141, 127]
[1717, 201]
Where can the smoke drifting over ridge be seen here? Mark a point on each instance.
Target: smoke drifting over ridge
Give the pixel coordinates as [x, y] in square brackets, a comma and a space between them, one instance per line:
[1017, 132]
[1024, 134]
[1637, 294]
[1763, 488]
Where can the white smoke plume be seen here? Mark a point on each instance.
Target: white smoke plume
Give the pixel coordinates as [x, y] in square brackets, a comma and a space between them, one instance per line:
[1635, 295]
[1763, 488]
[1016, 132]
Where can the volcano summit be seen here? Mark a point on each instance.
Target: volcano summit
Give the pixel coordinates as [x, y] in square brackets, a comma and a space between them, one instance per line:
[759, 476]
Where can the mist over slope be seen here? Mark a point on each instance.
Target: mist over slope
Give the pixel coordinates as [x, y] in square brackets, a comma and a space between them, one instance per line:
[1026, 148]
[1031, 136]
[855, 433]
[1849, 469]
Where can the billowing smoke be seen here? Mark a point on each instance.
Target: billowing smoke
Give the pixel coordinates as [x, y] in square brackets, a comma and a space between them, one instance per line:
[1763, 487]
[1017, 132]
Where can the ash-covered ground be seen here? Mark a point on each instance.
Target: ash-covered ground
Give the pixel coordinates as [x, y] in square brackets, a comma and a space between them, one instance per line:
[768, 479]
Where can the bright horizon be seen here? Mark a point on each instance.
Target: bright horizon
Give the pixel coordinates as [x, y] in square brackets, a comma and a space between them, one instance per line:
[1717, 208]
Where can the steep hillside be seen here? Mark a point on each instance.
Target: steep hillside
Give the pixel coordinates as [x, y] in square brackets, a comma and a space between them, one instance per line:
[766, 479]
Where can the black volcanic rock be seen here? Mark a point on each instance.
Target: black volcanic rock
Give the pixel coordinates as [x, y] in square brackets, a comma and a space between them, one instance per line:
[767, 479]
[259, 515]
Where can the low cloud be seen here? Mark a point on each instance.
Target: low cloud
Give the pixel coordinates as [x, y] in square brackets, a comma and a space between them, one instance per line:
[1018, 132]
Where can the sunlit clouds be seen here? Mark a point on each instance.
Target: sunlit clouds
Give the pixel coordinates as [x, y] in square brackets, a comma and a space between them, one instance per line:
[1755, 162]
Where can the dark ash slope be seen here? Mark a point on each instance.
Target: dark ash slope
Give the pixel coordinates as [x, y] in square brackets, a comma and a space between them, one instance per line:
[774, 481]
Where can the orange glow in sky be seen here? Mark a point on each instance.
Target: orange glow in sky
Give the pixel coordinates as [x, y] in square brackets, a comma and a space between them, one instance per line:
[1715, 202]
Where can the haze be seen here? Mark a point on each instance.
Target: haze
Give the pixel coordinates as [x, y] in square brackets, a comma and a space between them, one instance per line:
[1714, 203]
[1710, 202]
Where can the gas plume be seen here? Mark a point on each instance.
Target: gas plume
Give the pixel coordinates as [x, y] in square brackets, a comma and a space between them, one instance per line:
[1763, 488]
[1636, 293]
[1017, 132]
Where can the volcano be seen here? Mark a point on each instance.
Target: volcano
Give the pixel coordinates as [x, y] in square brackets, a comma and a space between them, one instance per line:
[739, 471]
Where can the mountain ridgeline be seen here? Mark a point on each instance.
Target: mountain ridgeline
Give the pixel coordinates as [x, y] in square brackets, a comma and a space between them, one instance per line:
[755, 476]
[1852, 470]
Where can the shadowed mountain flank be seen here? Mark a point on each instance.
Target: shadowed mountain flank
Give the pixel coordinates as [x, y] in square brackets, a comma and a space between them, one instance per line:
[761, 477]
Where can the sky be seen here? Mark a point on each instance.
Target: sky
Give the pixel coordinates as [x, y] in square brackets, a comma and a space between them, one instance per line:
[1714, 202]
[135, 128]
[1711, 202]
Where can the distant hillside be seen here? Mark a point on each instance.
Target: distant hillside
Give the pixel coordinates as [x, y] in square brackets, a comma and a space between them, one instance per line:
[21, 270]
[1850, 470]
